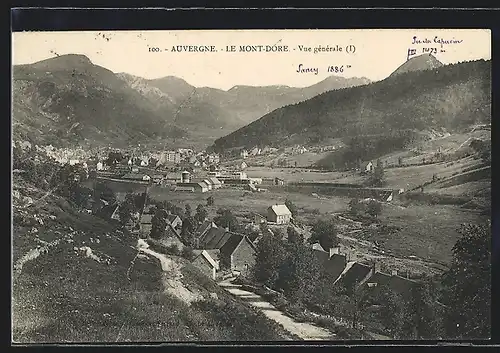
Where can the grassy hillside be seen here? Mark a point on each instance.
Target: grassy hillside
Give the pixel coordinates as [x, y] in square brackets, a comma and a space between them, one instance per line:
[452, 96]
[78, 279]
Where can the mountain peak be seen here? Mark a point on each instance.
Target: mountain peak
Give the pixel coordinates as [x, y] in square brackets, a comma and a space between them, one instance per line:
[67, 61]
[418, 63]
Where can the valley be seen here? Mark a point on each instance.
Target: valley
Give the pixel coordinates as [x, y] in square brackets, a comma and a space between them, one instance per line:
[153, 210]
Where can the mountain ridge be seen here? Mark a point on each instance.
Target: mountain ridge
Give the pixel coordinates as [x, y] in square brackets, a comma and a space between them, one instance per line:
[449, 96]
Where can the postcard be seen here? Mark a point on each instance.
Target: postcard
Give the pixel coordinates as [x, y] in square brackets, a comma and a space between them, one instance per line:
[251, 185]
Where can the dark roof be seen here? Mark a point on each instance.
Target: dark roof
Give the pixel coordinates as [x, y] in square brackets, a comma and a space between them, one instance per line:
[403, 286]
[335, 265]
[321, 255]
[214, 238]
[400, 285]
[231, 243]
[380, 278]
[171, 218]
[171, 231]
[355, 275]
[107, 211]
[225, 241]
[205, 226]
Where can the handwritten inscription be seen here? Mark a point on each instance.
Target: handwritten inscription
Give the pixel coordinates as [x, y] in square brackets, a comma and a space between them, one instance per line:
[436, 40]
[302, 69]
[431, 46]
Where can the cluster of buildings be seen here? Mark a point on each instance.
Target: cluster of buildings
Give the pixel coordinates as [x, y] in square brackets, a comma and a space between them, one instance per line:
[347, 272]
[197, 185]
[257, 151]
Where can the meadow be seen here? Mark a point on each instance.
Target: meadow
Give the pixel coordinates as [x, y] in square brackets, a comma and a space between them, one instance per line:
[426, 231]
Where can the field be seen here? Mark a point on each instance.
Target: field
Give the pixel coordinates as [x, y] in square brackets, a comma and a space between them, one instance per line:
[242, 202]
[426, 231]
[413, 176]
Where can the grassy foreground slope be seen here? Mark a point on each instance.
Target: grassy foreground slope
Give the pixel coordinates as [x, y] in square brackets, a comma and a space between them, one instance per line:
[63, 293]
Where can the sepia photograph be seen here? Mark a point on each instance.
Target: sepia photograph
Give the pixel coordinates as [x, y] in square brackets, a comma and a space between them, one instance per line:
[251, 185]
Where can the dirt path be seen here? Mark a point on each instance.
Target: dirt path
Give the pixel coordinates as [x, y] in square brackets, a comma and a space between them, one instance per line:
[304, 330]
[172, 277]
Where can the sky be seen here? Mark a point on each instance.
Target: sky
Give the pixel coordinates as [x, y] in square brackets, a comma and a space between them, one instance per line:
[373, 54]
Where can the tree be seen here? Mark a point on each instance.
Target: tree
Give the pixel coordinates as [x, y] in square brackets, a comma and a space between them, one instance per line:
[293, 236]
[323, 231]
[188, 227]
[188, 211]
[126, 209]
[356, 207]
[210, 201]
[68, 181]
[82, 195]
[201, 214]
[299, 273]
[350, 304]
[226, 219]
[374, 208]
[102, 191]
[113, 158]
[377, 177]
[291, 206]
[158, 223]
[400, 161]
[430, 312]
[140, 200]
[269, 256]
[394, 313]
[467, 292]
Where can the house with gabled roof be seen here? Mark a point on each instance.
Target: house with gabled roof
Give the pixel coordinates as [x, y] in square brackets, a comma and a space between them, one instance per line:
[202, 229]
[216, 183]
[332, 261]
[403, 286]
[207, 261]
[279, 214]
[367, 167]
[237, 252]
[174, 220]
[355, 276]
[110, 212]
[207, 183]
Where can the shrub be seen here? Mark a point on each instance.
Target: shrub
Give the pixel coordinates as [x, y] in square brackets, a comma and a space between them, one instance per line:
[187, 253]
[173, 249]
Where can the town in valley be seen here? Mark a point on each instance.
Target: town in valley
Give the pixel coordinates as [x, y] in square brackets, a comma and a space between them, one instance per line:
[353, 209]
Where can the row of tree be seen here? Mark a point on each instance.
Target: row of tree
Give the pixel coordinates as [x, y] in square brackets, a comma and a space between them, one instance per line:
[454, 305]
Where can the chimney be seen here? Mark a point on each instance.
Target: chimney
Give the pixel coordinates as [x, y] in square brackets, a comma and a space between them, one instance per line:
[334, 250]
[394, 272]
